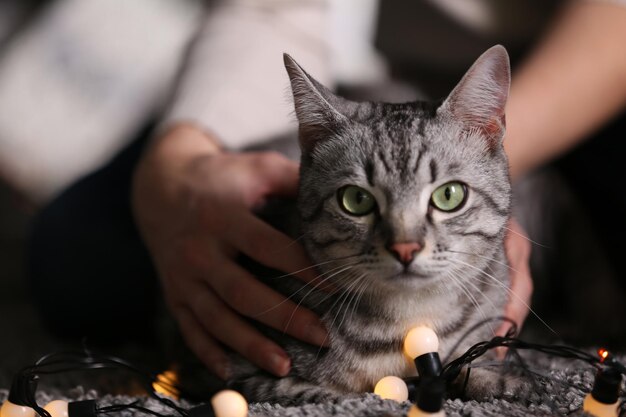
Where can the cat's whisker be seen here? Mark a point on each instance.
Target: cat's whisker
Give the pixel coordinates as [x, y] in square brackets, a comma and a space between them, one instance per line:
[350, 293]
[527, 238]
[314, 287]
[466, 291]
[311, 290]
[457, 274]
[361, 281]
[363, 290]
[344, 296]
[349, 275]
[341, 258]
[509, 290]
[479, 291]
[296, 240]
[487, 258]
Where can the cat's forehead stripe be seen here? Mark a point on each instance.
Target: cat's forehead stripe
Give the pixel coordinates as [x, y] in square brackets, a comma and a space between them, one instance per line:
[369, 172]
[433, 171]
[422, 150]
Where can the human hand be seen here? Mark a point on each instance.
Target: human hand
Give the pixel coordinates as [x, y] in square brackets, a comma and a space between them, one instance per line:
[193, 205]
[517, 248]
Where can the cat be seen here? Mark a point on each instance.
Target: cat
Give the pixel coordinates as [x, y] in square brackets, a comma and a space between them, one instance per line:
[403, 208]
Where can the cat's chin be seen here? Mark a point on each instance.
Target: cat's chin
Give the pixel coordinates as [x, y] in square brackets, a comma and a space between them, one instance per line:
[411, 277]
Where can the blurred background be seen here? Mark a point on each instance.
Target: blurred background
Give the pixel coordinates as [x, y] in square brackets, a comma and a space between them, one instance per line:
[77, 80]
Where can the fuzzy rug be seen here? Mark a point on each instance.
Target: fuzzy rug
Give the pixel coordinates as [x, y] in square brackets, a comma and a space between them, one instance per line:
[559, 389]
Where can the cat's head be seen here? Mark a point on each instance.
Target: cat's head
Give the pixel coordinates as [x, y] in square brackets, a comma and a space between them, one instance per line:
[404, 195]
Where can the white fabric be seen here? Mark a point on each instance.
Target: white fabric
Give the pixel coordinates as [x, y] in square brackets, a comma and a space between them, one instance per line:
[89, 72]
[235, 84]
[75, 87]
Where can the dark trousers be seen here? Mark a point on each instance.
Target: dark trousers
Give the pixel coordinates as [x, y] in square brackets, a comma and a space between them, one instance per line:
[91, 275]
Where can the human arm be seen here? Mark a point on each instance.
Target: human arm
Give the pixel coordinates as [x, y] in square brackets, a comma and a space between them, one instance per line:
[193, 204]
[193, 194]
[572, 82]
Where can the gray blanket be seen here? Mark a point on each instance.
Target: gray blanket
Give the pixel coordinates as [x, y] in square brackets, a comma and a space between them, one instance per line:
[559, 389]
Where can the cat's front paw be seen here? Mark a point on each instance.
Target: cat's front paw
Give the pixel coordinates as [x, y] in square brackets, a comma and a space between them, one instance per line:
[486, 384]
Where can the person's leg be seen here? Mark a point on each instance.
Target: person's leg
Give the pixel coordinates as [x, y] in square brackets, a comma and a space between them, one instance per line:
[90, 273]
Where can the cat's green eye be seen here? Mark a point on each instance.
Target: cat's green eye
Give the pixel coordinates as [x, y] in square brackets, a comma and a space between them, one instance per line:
[449, 197]
[356, 201]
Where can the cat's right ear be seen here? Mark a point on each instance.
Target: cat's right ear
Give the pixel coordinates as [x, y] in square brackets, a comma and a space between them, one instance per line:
[317, 109]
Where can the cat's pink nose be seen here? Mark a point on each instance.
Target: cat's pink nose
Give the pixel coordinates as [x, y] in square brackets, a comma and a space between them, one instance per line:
[405, 252]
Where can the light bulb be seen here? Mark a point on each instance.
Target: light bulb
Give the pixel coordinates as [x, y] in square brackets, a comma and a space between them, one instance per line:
[165, 384]
[603, 400]
[603, 353]
[13, 410]
[598, 409]
[422, 344]
[57, 408]
[229, 403]
[420, 340]
[416, 412]
[392, 388]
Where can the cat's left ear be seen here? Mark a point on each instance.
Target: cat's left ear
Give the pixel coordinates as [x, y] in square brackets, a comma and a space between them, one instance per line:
[319, 111]
[479, 99]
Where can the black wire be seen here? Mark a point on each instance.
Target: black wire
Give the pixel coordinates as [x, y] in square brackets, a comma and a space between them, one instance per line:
[511, 332]
[134, 406]
[453, 368]
[69, 361]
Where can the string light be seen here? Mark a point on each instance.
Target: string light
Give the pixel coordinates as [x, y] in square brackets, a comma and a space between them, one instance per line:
[13, 410]
[420, 340]
[430, 397]
[602, 401]
[392, 388]
[422, 344]
[416, 412]
[165, 384]
[603, 353]
[57, 408]
[229, 403]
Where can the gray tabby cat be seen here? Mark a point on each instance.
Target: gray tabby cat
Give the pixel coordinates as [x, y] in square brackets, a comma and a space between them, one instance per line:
[403, 209]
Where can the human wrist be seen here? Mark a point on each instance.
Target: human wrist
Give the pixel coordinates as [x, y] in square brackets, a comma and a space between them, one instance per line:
[165, 164]
[183, 139]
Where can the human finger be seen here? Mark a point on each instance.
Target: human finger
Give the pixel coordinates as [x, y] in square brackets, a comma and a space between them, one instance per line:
[226, 326]
[202, 344]
[263, 243]
[517, 247]
[250, 297]
[280, 174]
[519, 301]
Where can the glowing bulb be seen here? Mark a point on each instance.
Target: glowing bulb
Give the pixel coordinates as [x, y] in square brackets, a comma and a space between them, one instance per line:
[13, 410]
[603, 354]
[57, 408]
[229, 403]
[598, 409]
[392, 388]
[420, 340]
[165, 384]
[604, 397]
[416, 412]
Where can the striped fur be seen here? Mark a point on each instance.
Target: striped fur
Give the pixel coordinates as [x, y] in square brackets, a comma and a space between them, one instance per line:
[400, 153]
